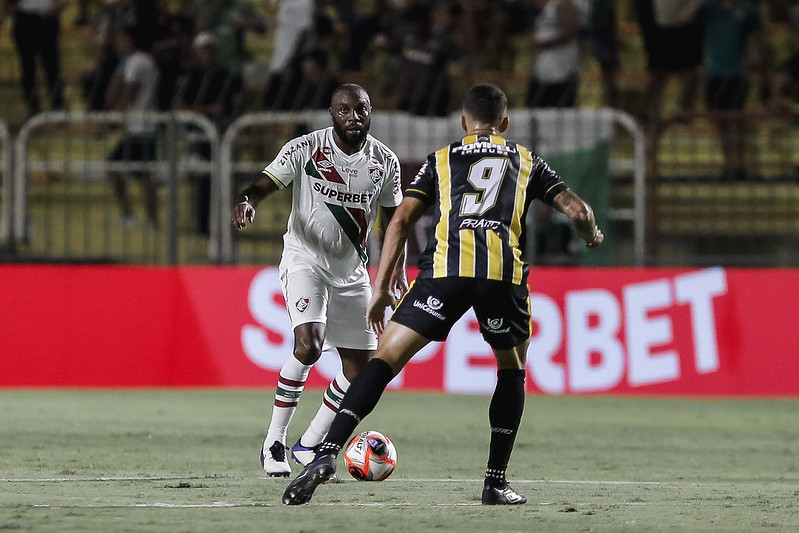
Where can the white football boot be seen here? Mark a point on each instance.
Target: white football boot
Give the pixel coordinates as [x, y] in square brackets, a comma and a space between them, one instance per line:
[303, 454]
[274, 460]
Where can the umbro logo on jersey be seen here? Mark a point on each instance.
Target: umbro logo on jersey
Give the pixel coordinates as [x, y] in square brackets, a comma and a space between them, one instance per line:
[324, 165]
[302, 304]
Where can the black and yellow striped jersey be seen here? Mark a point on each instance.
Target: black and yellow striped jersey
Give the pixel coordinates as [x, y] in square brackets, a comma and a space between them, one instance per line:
[481, 188]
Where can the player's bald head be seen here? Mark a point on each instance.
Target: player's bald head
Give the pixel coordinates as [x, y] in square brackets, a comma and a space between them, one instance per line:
[352, 91]
[486, 103]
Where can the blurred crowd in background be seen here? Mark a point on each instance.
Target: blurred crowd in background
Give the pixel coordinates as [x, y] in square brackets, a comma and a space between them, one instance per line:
[417, 50]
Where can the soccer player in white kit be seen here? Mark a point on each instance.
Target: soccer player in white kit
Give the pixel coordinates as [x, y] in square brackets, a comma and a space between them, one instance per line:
[340, 175]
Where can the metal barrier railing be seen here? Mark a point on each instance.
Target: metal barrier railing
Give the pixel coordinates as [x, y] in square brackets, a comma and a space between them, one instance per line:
[563, 135]
[667, 203]
[7, 165]
[61, 162]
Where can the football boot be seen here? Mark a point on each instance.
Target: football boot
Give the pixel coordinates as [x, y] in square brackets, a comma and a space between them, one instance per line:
[274, 461]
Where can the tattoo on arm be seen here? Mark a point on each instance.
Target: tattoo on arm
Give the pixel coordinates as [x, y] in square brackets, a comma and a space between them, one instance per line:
[580, 213]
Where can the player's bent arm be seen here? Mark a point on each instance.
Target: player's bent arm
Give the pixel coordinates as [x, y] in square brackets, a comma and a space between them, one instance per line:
[399, 281]
[249, 197]
[581, 215]
[404, 217]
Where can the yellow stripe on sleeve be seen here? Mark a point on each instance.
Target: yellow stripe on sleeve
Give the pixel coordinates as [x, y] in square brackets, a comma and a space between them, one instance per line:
[525, 170]
[558, 183]
[279, 183]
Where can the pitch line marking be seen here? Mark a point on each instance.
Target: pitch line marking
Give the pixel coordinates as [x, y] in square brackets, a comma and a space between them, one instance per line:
[211, 478]
[233, 505]
[559, 481]
[104, 479]
[226, 505]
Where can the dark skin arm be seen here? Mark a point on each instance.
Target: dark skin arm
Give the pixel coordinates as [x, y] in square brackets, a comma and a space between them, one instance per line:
[581, 215]
[244, 213]
[248, 198]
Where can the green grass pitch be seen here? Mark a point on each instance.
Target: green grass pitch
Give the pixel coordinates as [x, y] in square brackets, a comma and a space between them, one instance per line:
[187, 460]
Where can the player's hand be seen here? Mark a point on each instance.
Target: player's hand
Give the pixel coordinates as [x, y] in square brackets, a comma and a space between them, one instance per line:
[399, 286]
[376, 310]
[597, 240]
[243, 213]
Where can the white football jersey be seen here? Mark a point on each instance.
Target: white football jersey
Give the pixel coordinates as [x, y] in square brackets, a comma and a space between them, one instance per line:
[334, 201]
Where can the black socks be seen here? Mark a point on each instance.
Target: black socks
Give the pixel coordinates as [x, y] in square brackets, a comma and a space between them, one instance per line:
[361, 398]
[504, 415]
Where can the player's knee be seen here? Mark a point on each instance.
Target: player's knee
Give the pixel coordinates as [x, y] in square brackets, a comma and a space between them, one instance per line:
[308, 350]
[352, 361]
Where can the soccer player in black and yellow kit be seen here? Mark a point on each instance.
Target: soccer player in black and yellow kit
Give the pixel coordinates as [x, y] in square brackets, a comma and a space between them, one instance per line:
[481, 188]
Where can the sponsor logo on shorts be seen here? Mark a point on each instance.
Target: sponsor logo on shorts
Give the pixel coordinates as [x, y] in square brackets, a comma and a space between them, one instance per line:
[434, 303]
[431, 307]
[302, 304]
[494, 325]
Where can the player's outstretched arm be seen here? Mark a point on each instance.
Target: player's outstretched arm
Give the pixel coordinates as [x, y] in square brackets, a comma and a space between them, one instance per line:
[581, 215]
[244, 211]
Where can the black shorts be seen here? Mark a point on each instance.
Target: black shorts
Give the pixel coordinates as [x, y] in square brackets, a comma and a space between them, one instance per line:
[726, 92]
[676, 48]
[134, 148]
[433, 305]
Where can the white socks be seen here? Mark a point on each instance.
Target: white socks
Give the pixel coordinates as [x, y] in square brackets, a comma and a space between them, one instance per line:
[331, 401]
[287, 396]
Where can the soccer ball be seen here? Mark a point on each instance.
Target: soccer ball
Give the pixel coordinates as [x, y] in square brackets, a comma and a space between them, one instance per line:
[370, 456]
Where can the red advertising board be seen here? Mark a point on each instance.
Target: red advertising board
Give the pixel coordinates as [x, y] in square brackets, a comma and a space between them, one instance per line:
[611, 331]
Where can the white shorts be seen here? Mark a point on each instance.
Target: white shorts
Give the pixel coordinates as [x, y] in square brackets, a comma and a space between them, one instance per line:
[309, 298]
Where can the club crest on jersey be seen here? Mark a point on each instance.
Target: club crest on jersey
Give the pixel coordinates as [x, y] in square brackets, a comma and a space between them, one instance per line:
[376, 174]
[302, 304]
